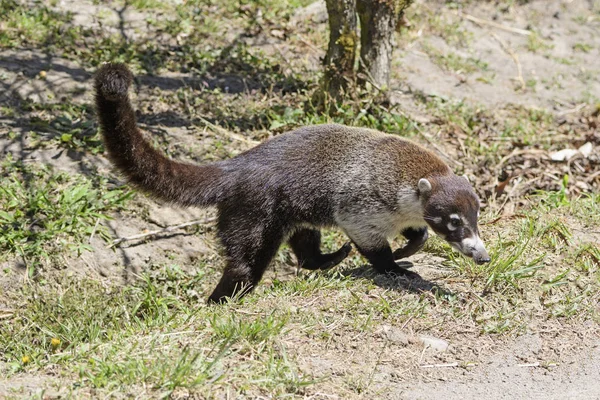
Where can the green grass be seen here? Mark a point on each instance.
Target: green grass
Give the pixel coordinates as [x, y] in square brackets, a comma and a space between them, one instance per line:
[64, 125]
[512, 259]
[454, 62]
[448, 28]
[142, 335]
[159, 334]
[42, 27]
[27, 26]
[536, 44]
[44, 214]
[583, 47]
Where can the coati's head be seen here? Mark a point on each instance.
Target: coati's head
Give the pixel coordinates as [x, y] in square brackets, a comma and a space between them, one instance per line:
[451, 209]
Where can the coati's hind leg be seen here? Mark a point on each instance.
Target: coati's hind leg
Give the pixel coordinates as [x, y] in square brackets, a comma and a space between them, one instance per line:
[306, 244]
[416, 240]
[250, 247]
[377, 250]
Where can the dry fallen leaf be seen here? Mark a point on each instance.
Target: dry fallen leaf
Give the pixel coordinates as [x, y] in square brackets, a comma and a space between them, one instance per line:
[563, 155]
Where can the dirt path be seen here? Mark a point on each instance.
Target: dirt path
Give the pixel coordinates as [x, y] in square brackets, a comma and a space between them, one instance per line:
[506, 377]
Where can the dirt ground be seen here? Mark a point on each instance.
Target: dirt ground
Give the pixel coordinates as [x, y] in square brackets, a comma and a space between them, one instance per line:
[561, 78]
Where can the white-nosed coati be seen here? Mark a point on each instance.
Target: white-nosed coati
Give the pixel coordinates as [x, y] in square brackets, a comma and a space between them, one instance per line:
[370, 184]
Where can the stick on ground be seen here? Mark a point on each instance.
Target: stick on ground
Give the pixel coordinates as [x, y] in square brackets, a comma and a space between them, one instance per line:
[167, 229]
[495, 25]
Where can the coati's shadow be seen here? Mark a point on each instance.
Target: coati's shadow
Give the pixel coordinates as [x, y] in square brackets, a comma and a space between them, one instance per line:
[394, 281]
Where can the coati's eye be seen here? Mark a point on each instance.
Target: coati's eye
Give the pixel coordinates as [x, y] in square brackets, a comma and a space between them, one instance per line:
[455, 221]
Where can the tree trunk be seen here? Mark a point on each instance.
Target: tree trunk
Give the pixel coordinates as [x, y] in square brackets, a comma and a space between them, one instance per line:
[341, 54]
[378, 21]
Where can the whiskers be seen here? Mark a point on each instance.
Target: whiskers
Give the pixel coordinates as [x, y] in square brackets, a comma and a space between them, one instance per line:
[430, 218]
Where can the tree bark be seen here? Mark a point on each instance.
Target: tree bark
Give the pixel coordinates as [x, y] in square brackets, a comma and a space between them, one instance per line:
[341, 54]
[378, 21]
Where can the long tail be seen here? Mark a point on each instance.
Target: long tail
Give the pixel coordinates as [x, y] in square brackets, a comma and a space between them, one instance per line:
[145, 167]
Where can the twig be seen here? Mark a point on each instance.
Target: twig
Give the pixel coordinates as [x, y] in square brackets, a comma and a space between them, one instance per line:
[592, 176]
[225, 132]
[177, 333]
[248, 312]
[515, 58]
[94, 230]
[494, 24]
[319, 395]
[367, 74]
[548, 364]
[518, 180]
[508, 216]
[573, 110]
[503, 44]
[159, 231]
[309, 44]
[372, 374]
[535, 364]
[432, 143]
[450, 365]
[516, 153]
[406, 322]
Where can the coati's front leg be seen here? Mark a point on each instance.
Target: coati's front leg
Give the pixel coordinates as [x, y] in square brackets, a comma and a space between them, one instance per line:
[306, 244]
[377, 250]
[416, 240]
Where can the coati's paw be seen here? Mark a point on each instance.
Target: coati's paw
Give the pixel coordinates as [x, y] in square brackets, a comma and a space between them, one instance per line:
[214, 299]
[410, 274]
[347, 247]
[416, 240]
[344, 251]
[403, 252]
[230, 288]
[326, 261]
[220, 296]
[337, 257]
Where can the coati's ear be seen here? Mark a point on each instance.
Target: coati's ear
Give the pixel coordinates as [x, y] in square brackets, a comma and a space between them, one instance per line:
[466, 177]
[424, 186]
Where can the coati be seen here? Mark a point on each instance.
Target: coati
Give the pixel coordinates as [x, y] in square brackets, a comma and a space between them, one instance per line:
[370, 184]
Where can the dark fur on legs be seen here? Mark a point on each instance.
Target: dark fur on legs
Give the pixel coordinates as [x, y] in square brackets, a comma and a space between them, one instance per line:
[382, 260]
[306, 244]
[250, 245]
[250, 254]
[416, 240]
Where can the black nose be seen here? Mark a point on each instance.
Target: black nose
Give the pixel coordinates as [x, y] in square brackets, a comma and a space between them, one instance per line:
[483, 260]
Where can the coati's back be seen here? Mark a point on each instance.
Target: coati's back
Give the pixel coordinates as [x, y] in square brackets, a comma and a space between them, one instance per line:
[317, 168]
[337, 149]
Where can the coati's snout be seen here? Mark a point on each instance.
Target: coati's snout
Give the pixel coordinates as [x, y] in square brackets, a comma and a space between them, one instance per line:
[451, 209]
[472, 247]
